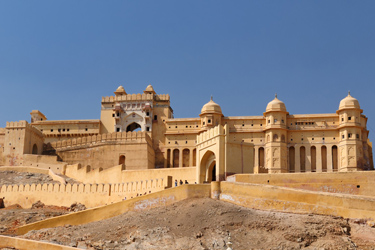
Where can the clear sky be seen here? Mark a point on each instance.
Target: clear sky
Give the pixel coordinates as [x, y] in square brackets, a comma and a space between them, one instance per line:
[61, 57]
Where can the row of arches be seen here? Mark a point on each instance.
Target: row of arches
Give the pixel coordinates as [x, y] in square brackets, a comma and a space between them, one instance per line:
[305, 159]
[316, 159]
[177, 158]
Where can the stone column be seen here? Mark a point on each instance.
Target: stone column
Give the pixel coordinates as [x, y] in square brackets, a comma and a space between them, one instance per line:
[329, 158]
[297, 160]
[256, 160]
[318, 158]
[308, 158]
[191, 158]
[180, 160]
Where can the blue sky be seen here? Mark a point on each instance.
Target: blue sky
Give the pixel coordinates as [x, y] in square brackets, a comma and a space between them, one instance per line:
[61, 57]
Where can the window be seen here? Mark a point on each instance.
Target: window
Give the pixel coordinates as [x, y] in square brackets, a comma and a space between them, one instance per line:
[113, 115]
[147, 128]
[312, 139]
[343, 136]
[117, 129]
[176, 126]
[209, 120]
[86, 129]
[252, 125]
[51, 130]
[342, 119]
[282, 121]
[147, 113]
[323, 138]
[349, 118]
[357, 136]
[67, 130]
[291, 139]
[275, 120]
[349, 135]
[204, 123]
[63, 129]
[59, 130]
[261, 125]
[243, 125]
[269, 121]
[155, 117]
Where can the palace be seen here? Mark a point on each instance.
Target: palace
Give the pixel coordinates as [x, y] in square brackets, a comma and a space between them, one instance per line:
[138, 132]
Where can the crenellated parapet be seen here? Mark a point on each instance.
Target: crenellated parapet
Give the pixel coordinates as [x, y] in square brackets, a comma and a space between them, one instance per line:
[210, 133]
[135, 97]
[100, 139]
[23, 125]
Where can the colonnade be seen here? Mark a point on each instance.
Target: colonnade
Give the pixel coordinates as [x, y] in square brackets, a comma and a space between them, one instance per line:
[178, 158]
[304, 158]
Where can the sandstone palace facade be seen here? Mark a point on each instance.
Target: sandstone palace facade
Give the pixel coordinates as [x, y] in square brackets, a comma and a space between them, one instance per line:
[139, 132]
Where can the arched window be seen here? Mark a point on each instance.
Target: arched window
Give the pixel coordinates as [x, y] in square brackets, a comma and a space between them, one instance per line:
[275, 137]
[121, 160]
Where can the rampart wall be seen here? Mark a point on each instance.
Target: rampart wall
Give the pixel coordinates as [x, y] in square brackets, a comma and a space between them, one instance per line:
[91, 195]
[117, 174]
[358, 183]
[258, 196]
[105, 150]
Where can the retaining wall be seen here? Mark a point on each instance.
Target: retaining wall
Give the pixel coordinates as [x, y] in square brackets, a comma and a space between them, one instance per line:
[358, 183]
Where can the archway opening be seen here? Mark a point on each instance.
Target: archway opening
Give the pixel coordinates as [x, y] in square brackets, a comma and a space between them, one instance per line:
[207, 168]
[121, 160]
[133, 127]
[313, 159]
[35, 150]
[334, 158]
[291, 159]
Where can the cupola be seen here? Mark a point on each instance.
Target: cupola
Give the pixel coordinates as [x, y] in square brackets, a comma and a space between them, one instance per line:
[149, 90]
[275, 105]
[120, 91]
[349, 102]
[211, 108]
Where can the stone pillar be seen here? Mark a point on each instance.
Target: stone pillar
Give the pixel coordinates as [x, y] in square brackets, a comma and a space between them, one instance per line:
[180, 159]
[329, 158]
[308, 158]
[297, 160]
[171, 158]
[318, 158]
[191, 158]
[256, 160]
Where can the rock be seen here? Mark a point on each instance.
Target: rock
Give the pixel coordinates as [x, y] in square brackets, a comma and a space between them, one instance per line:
[75, 207]
[37, 205]
[81, 245]
[371, 223]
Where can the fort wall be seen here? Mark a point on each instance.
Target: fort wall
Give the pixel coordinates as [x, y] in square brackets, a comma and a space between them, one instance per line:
[107, 150]
[91, 195]
[117, 174]
[163, 198]
[256, 196]
[357, 183]
[24, 244]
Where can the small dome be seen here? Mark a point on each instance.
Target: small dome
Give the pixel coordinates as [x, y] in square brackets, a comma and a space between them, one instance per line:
[149, 89]
[120, 90]
[276, 105]
[349, 102]
[211, 107]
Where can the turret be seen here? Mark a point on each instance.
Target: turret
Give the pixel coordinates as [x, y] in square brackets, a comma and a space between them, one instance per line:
[120, 91]
[210, 114]
[351, 147]
[276, 134]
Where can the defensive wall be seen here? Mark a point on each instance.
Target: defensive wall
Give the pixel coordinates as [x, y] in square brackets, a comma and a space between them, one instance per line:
[29, 169]
[358, 183]
[44, 161]
[106, 150]
[23, 244]
[258, 196]
[162, 198]
[118, 174]
[91, 195]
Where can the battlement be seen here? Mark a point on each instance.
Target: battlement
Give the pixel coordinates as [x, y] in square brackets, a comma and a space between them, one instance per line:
[210, 133]
[100, 139]
[135, 97]
[2, 131]
[23, 125]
